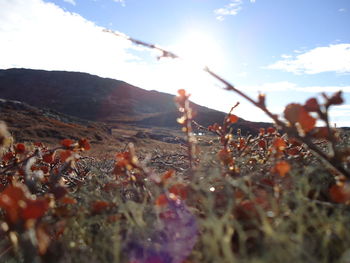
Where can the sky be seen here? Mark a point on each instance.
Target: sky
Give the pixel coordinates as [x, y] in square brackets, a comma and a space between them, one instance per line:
[290, 50]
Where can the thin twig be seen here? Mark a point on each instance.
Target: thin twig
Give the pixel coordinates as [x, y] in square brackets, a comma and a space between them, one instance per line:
[291, 131]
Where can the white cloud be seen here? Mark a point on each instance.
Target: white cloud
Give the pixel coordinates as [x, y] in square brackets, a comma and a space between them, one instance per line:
[72, 2]
[231, 9]
[40, 35]
[332, 58]
[342, 9]
[286, 56]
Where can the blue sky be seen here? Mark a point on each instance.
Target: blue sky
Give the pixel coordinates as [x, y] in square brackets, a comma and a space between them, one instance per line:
[288, 49]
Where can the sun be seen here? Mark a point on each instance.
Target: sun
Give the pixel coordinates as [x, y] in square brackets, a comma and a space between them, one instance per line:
[199, 49]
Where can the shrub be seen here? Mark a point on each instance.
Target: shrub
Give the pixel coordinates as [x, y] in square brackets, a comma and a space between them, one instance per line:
[280, 195]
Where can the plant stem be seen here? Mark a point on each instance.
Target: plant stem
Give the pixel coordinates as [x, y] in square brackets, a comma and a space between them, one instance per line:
[291, 131]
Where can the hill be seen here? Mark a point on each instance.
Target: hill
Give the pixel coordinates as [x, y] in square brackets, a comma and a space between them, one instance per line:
[28, 123]
[106, 100]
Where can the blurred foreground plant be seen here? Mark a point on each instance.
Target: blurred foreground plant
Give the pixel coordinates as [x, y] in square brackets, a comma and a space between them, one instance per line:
[299, 124]
[257, 198]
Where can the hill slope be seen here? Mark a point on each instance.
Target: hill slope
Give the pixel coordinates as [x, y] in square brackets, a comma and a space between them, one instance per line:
[101, 99]
[28, 123]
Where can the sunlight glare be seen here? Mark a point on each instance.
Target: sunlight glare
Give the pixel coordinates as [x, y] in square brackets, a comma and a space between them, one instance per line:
[199, 49]
[196, 50]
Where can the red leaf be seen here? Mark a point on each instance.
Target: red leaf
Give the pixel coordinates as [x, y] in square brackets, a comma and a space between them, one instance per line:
[64, 155]
[179, 190]
[311, 105]
[8, 156]
[84, 144]
[306, 121]
[336, 99]
[340, 194]
[291, 112]
[68, 200]
[99, 206]
[271, 130]
[10, 199]
[162, 200]
[167, 175]
[17, 203]
[66, 143]
[296, 113]
[43, 239]
[279, 144]
[282, 168]
[262, 144]
[231, 118]
[49, 158]
[35, 209]
[20, 148]
[181, 92]
[293, 151]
